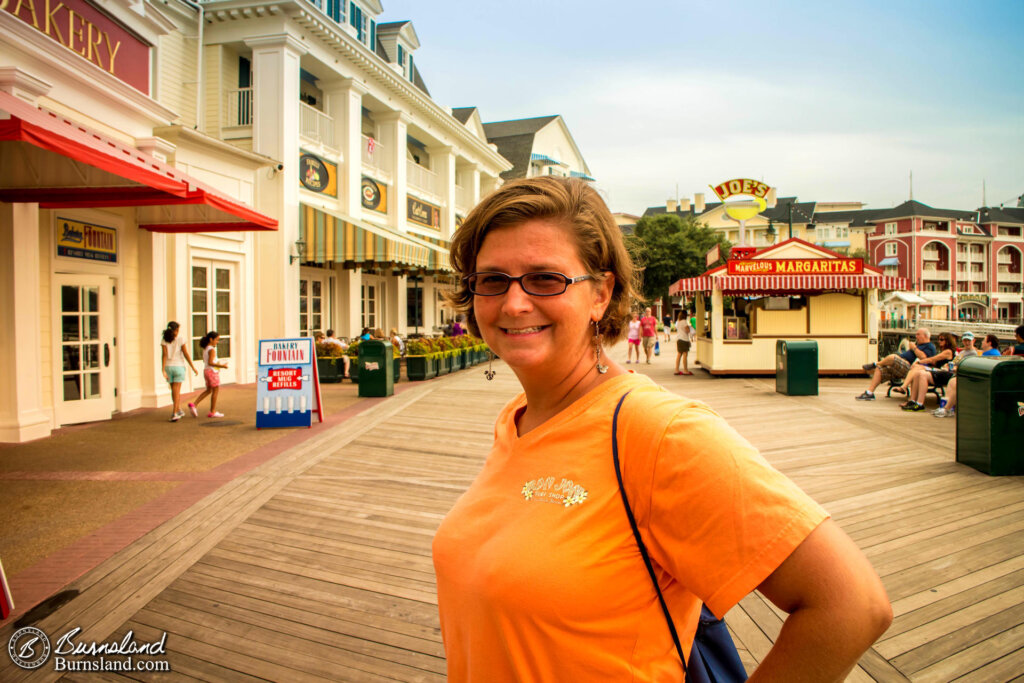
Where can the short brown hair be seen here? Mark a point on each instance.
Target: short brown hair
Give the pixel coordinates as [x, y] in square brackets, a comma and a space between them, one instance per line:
[569, 202]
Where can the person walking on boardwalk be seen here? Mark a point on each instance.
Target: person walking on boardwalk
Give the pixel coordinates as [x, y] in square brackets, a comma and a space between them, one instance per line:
[648, 332]
[538, 575]
[685, 337]
[211, 373]
[633, 339]
[174, 349]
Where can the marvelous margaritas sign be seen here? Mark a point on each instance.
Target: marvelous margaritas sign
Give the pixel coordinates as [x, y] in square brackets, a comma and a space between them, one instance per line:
[803, 266]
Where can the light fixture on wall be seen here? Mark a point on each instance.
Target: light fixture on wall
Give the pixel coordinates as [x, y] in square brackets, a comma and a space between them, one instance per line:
[300, 252]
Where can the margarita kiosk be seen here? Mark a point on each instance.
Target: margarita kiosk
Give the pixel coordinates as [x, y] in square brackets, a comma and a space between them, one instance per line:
[794, 290]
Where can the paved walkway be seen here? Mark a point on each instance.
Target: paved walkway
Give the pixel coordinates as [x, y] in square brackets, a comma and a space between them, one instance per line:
[315, 564]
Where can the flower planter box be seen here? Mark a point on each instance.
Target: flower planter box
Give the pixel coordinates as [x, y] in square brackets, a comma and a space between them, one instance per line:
[330, 370]
[419, 368]
[398, 367]
[353, 370]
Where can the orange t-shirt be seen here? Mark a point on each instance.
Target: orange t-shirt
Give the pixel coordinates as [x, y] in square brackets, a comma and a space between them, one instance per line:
[539, 577]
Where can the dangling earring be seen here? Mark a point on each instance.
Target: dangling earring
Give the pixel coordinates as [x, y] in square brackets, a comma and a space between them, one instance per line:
[597, 350]
[488, 373]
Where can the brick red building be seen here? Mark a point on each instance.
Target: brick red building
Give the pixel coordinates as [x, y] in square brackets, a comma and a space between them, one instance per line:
[966, 264]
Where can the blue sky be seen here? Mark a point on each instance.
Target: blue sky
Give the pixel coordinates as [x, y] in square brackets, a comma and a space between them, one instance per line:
[826, 101]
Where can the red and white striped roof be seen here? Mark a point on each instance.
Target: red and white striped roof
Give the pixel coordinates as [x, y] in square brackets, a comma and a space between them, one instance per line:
[719, 277]
[767, 284]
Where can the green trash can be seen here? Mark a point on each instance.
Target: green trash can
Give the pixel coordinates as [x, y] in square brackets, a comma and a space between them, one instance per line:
[990, 414]
[376, 368]
[796, 367]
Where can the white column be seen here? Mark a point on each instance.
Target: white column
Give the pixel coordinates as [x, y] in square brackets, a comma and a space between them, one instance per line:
[429, 309]
[402, 303]
[153, 315]
[349, 302]
[488, 184]
[22, 416]
[474, 185]
[442, 159]
[717, 316]
[345, 104]
[275, 133]
[394, 133]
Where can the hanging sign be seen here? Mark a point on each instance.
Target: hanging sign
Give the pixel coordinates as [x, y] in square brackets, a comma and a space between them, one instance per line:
[317, 175]
[89, 32]
[423, 213]
[374, 195]
[714, 255]
[742, 210]
[793, 266]
[76, 239]
[287, 384]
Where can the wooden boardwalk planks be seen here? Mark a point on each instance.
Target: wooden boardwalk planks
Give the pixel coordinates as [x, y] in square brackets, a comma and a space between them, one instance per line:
[317, 566]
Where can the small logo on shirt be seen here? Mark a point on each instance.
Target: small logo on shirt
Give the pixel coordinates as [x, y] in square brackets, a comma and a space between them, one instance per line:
[563, 492]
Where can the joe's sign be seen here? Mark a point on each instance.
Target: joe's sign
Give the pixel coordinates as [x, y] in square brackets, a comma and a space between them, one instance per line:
[87, 31]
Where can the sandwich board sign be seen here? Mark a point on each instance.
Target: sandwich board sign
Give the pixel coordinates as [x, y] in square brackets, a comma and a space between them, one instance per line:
[287, 384]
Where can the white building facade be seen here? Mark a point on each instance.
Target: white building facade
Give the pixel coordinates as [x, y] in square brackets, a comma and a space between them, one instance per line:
[116, 215]
[262, 171]
[376, 174]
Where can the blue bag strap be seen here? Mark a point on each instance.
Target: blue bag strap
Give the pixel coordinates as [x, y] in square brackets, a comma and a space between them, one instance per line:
[639, 541]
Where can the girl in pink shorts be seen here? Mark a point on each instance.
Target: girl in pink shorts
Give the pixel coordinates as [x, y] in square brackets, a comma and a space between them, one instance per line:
[633, 337]
[211, 374]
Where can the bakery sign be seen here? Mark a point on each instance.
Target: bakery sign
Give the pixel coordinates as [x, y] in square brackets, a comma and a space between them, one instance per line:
[422, 213]
[89, 32]
[803, 266]
[85, 241]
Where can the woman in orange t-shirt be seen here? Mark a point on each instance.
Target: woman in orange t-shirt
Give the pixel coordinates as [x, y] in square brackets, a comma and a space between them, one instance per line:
[538, 574]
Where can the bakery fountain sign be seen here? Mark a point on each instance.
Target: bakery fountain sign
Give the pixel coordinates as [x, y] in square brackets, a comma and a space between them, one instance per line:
[89, 33]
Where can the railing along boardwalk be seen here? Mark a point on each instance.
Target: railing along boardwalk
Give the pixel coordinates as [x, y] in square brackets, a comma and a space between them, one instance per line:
[317, 565]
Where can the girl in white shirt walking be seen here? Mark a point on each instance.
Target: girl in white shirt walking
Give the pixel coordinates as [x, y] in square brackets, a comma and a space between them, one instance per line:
[211, 373]
[174, 356]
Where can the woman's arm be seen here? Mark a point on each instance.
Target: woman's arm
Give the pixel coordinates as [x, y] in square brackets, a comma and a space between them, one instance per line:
[163, 359]
[837, 608]
[945, 354]
[213, 360]
[188, 359]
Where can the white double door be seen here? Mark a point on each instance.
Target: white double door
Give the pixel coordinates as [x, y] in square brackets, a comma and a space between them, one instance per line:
[213, 309]
[85, 320]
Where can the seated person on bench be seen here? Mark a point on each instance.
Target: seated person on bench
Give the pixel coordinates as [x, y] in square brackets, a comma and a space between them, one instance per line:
[947, 349]
[896, 366]
[921, 376]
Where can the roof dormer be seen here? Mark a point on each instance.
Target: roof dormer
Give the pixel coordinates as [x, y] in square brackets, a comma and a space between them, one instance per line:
[399, 40]
[362, 20]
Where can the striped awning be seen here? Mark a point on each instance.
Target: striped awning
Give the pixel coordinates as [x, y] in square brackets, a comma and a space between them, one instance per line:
[768, 284]
[335, 238]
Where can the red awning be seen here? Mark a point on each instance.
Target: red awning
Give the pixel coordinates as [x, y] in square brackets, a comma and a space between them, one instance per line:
[768, 284]
[58, 163]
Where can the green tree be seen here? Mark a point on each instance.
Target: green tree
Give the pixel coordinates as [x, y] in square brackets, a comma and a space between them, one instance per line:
[668, 248]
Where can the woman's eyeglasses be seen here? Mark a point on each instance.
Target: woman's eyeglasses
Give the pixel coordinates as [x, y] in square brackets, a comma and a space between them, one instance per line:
[535, 284]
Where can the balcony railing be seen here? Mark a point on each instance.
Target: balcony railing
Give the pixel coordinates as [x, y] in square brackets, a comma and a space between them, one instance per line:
[374, 156]
[421, 178]
[238, 107]
[315, 125]
[935, 274]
